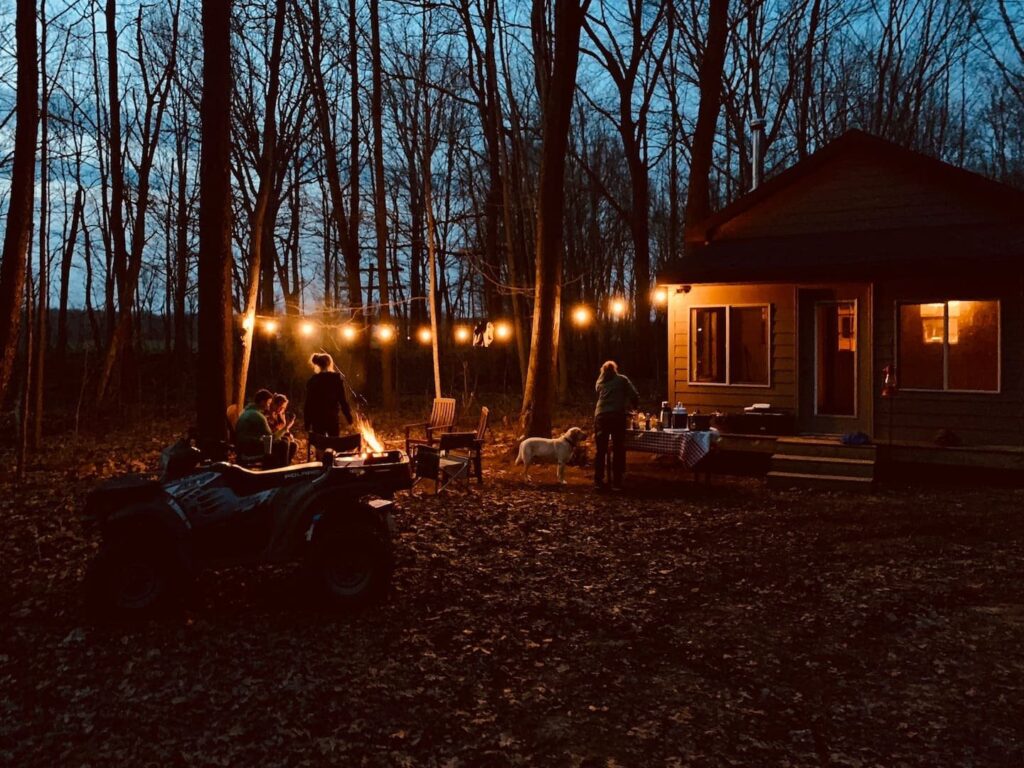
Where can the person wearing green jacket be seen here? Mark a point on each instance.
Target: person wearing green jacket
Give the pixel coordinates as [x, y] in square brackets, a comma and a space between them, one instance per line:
[252, 425]
[615, 393]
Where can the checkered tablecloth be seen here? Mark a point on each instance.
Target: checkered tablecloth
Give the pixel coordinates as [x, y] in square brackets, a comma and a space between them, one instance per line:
[688, 446]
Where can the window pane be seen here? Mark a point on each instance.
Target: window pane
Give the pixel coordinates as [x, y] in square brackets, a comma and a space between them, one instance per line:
[748, 345]
[974, 345]
[919, 365]
[707, 345]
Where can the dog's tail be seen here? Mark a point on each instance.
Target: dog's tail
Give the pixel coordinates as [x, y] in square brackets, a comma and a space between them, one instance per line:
[519, 457]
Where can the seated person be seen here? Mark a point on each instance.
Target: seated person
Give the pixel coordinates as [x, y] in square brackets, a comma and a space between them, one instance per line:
[252, 426]
[280, 424]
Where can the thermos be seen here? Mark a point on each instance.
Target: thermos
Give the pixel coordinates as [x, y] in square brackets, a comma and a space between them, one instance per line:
[666, 415]
[679, 416]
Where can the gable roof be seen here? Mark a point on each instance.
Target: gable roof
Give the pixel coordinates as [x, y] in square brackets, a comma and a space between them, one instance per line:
[860, 206]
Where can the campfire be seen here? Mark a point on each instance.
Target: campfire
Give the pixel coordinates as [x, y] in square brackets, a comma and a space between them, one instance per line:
[370, 439]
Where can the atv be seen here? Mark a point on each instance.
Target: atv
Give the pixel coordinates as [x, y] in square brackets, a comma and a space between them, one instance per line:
[334, 515]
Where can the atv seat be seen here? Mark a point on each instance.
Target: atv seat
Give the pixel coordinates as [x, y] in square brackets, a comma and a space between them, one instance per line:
[245, 482]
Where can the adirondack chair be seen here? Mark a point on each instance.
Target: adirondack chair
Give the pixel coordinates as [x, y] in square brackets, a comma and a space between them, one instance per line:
[442, 419]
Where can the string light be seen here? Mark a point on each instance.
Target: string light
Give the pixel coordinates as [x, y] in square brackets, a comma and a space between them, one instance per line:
[581, 315]
[385, 333]
[424, 335]
[463, 334]
[660, 296]
[307, 328]
[502, 331]
[618, 307]
[349, 332]
[247, 322]
[270, 326]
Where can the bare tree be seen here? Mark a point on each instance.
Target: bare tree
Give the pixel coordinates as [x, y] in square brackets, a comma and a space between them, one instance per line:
[213, 379]
[19, 211]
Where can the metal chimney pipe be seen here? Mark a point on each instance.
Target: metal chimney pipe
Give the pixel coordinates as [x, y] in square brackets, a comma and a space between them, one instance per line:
[757, 128]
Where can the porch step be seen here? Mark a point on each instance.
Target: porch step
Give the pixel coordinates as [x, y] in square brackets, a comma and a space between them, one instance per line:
[822, 463]
[820, 482]
[803, 446]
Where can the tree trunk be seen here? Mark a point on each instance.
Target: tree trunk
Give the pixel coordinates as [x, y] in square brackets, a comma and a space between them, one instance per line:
[698, 198]
[65, 274]
[558, 81]
[37, 351]
[259, 213]
[380, 209]
[19, 212]
[213, 385]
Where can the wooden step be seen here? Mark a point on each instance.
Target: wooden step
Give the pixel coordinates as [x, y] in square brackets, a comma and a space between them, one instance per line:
[823, 465]
[823, 448]
[821, 482]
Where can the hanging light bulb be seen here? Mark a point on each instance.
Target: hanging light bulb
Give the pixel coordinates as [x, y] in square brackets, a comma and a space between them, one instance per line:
[581, 315]
[270, 326]
[424, 335]
[247, 322]
[660, 296]
[386, 333]
[502, 331]
[618, 307]
[463, 334]
[348, 332]
[306, 328]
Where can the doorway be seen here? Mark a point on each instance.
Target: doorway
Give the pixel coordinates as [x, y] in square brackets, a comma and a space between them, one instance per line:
[835, 380]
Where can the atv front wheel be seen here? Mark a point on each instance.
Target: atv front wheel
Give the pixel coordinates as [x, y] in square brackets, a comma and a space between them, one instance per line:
[133, 574]
[352, 563]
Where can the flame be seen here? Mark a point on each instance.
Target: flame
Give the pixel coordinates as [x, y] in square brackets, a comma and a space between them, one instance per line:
[369, 436]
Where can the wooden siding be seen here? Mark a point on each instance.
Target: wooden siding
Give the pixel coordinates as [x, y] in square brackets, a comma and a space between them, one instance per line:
[731, 398]
[976, 418]
[857, 193]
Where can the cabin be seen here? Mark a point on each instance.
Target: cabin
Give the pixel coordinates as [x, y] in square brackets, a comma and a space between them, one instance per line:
[866, 289]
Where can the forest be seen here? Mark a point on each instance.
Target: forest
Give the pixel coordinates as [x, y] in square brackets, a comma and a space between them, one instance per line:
[423, 168]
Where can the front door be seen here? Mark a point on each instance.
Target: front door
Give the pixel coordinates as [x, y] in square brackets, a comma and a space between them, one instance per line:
[835, 359]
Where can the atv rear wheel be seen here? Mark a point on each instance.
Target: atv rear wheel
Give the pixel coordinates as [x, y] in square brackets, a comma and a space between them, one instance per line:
[134, 574]
[352, 563]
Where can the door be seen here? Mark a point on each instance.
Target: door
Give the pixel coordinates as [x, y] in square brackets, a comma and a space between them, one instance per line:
[835, 360]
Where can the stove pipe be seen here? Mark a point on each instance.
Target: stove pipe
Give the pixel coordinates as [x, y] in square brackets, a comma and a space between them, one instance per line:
[757, 128]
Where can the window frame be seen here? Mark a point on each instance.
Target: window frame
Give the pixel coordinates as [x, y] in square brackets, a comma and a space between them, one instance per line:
[728, 344]
[898, 335]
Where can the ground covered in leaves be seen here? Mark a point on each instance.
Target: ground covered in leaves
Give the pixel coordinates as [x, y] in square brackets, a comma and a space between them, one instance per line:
[675, 624]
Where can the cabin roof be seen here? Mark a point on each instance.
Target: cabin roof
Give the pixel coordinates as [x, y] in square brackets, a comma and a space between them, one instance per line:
[859, 208]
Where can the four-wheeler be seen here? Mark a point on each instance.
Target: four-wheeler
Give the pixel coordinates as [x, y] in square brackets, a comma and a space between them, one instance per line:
[334, 515]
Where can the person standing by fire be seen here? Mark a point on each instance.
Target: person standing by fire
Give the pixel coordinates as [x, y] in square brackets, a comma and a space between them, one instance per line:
[325, 393]
[615, 393]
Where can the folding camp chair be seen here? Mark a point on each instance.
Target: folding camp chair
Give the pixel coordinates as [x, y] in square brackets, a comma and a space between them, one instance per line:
[449, 461]
[442, 419]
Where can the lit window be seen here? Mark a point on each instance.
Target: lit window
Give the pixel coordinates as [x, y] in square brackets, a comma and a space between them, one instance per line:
[949, 345]
[730, 345]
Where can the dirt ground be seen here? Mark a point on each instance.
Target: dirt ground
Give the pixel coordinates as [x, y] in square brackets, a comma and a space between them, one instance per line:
[677, 623]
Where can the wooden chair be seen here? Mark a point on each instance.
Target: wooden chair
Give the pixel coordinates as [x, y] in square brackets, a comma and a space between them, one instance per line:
[442, 419]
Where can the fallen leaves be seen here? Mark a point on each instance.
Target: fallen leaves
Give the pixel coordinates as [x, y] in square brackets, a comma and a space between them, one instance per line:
[677, 624]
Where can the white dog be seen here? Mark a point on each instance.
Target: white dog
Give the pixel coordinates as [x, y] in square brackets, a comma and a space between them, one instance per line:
[541, 450]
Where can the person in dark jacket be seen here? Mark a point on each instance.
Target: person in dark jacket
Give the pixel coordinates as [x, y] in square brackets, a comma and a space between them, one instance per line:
[325, 393]
[615, 393]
